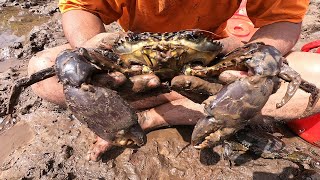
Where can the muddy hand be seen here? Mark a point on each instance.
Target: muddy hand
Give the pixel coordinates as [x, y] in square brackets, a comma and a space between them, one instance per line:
[197, 89]
[118, 81]
[194, 88]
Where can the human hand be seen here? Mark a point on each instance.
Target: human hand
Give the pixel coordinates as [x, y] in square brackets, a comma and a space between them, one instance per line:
[103, 40]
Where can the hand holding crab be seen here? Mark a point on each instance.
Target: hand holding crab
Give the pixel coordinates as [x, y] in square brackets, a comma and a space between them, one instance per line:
[89, 75]
[153, 57]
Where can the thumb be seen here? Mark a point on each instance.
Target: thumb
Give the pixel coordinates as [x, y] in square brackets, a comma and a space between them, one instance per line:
[232, 75]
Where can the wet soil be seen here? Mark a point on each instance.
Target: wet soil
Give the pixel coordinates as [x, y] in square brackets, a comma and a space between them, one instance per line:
[310, 26]
[44, 141]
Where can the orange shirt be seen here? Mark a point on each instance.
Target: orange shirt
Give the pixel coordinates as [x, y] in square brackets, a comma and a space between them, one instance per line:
[175, 15]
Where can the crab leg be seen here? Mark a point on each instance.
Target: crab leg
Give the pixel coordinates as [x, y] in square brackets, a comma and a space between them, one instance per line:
[25, 82]
[295, 81]
[266, 146]
[196, 89]
[314, 97]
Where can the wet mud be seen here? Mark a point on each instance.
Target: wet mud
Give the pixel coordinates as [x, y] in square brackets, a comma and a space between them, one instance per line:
[310, 26]
[44, 141]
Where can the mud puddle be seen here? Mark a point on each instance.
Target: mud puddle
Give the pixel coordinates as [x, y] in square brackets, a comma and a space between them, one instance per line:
[19, 21]
[15, 27]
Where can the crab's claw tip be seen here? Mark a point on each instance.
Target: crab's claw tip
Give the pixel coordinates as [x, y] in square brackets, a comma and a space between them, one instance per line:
[138, 135]
[133, 137]
[203, 128]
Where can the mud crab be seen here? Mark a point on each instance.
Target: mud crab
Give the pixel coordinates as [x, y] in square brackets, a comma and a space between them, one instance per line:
[265, 145]
[167, 55]
[94, 101]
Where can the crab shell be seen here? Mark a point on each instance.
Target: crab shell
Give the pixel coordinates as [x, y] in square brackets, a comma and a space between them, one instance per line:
[167, 53]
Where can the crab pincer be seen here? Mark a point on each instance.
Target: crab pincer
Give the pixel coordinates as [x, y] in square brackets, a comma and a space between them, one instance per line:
[238, 102]
[97, 105]
[231, 109]
[103, 110]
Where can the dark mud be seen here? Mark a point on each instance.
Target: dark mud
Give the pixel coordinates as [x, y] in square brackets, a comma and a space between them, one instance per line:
[43, 141]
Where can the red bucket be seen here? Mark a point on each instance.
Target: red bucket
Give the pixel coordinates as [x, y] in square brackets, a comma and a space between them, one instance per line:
[307, 128]
[311, 45]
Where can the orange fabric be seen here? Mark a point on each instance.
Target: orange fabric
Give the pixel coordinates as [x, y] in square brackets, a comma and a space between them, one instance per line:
[174, 15]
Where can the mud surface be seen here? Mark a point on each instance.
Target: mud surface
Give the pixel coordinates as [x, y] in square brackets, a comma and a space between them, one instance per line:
[44, 141]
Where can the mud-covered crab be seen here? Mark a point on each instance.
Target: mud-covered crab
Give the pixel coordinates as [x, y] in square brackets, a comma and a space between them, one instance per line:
[97, 104]
[168, 55]
[265, 145]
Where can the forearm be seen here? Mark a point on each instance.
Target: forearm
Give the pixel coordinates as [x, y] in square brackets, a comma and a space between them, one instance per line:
[80, 26]
[282, 35]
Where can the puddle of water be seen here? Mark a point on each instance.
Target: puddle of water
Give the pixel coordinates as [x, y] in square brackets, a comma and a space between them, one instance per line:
[19, 21]
[16, 23]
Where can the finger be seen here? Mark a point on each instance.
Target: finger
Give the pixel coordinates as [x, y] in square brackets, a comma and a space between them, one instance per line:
[110, 80]
[156, 100]
[97, 149]
[142, 83]
[108, 40]
[103, 40]
[136, 84]
[231, 76]
[196, 89]
[230, 43]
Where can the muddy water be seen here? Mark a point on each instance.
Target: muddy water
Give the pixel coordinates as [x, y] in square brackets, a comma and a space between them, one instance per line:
[16, 23]
[20, 21]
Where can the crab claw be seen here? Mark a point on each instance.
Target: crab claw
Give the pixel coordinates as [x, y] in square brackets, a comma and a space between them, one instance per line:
[105, 113]
[209, 131]
[231, 109]
[202, 131]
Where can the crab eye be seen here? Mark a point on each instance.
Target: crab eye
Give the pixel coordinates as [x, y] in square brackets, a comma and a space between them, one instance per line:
[192, 36]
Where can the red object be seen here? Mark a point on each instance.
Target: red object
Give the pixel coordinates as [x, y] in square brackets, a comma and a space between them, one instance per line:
[239, 25]
[314, 44]
[307, 128]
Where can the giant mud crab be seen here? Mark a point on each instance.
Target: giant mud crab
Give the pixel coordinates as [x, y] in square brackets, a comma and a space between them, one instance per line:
[167, 55]
[264, 144]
